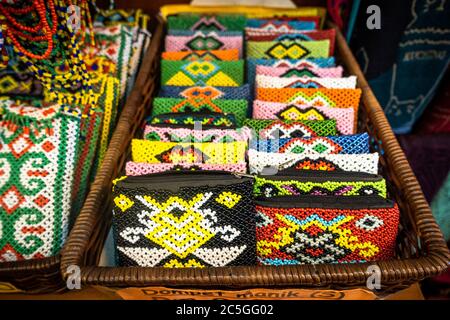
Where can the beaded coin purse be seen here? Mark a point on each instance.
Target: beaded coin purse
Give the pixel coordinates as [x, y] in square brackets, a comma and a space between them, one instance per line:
[287, 49]
[300, 72]
[140, 168]
[285, 111]
[184, 220]
[317, 230]
[210, 55]
[263, 81]
[278, 129]
[281, 25]
[206, 92]
[225, 120]
[194, 22]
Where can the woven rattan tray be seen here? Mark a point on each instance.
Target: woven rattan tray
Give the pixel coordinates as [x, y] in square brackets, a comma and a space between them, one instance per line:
[421, 250]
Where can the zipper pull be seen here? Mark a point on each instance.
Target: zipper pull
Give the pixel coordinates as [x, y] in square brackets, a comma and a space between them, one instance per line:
[240, 175]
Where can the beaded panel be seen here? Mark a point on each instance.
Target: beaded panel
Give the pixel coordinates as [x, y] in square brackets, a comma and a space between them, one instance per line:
[263, 81]
[301, 71]
[288, 49]
[278, 129]
[189, 119]
[223, 22]
[153, 133]
[281, 25]
[205, 55]
[139, 168]
[206, 92]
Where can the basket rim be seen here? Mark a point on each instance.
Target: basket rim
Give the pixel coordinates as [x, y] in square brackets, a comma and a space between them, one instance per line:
[394, 271]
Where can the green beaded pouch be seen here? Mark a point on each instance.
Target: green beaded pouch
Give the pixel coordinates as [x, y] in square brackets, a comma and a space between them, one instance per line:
[211, 119]
[289, 49]
[320, 183]
[280, 129]
[194, 22]
[205, 73]
[38, 151]
[170, 105]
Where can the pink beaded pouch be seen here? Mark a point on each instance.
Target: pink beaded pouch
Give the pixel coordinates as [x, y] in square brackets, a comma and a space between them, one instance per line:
[263, 81]
[140, 168]
[301, 71]
[203, 41]
[171, 134]
[286, 111]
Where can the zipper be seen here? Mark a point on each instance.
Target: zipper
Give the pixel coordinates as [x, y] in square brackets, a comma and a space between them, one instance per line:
[322, 176]
[328, 202]
[174, 180]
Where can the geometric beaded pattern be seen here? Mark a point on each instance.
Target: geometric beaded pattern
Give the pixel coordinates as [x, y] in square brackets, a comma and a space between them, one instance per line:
[201, 41]
[211, 55]
[37, 159]
[281, 25]
[288, 49]
[154, 133]
[293, 162]
[277, 129]
[312, 63]
[263, 81]
[284, 111]
[304, 71]
[220, 120]
[181, 152]
[204, 73]
[330, 186]
[349, 144]
[195, 226]
[169, 105]
[289, 236]
[139, 168]
[206, 92]
[225, 22]
[297, 35]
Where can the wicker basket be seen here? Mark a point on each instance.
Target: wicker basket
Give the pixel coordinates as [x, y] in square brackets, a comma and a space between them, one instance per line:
[43, 275]
[421, 250]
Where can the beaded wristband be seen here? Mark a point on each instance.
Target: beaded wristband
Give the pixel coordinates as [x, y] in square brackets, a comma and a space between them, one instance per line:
[223, 22]
[139, 169]
[211, 55]
[168, 105]
[300, 72]
[350, 144]
[349, 184]
[287, 63]
[263, 81]
[277, 129]
[198, 92]
[38, 150]
[281, 25]
[313, 35]
[284, 111]
[187, 223]
[169, 134]
[260, 162]
[319, 235]
[200, 41]
[338, 98]
[174, 152]
[205, 73]
[189, 119]
[288, 49]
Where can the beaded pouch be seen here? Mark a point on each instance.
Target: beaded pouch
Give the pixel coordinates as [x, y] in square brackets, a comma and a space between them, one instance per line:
[167, 105]
[339, 98]
[303, 230]
[189, 119]
[262, 81]
[206, 92]
[194, 22]
[17, 81]
[310, 63]
[288, 49]
[350, 144]
[321, 183]
[266, 162]
[38, 151]
[139, 168]
[205, 73]
[304, 71]
[279, 129]
[184, 220]
[201, 41]
[281, 25]
[310, 35]
[275, 110]
[179, 152]
[157, 133]
[211, 55]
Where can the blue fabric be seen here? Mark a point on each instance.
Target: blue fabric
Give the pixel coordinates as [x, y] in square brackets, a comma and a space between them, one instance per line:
[235, 93]
[298, 25]
[351, 144]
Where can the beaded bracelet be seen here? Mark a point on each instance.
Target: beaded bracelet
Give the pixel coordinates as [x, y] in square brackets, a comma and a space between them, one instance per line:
[288, 49]
[205, 55]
